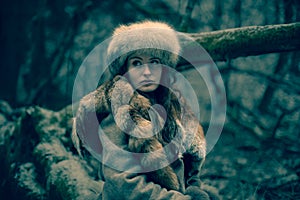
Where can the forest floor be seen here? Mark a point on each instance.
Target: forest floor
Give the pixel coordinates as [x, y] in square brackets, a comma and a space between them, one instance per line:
[241, 165]
[245, 166]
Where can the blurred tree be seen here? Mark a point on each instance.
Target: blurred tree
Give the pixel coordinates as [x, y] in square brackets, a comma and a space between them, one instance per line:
[14, 16]
[49, 46]
[44, 42]
[33, 58]
[218, 12]
[187, 17]
[284, 63]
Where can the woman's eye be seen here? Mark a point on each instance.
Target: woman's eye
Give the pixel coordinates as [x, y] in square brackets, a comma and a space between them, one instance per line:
[155, 62]
[136, 63]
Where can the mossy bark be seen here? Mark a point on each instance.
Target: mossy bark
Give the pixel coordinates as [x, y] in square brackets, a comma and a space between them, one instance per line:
[39, 159]
[245, 41]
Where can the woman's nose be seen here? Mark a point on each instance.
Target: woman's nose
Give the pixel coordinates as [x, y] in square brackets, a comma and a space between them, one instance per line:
[147, 70]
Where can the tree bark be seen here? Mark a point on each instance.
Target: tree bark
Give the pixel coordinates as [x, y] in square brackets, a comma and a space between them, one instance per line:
[38, 160]
[246, 41]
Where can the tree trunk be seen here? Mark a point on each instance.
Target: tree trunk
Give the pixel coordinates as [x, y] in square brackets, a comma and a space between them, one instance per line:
[246, 41]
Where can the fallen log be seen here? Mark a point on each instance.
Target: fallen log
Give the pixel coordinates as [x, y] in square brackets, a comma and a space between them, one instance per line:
[232, 43]
[39, 161]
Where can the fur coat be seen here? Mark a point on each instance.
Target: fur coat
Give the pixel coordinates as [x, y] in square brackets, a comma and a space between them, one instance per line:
[122, 173]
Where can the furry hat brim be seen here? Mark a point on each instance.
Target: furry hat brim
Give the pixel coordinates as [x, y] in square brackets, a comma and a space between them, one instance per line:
[156, 38]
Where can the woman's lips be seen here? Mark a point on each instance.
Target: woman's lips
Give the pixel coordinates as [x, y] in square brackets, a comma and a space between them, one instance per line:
[147, 82]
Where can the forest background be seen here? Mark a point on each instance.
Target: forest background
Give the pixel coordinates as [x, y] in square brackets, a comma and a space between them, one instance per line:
[45, 42]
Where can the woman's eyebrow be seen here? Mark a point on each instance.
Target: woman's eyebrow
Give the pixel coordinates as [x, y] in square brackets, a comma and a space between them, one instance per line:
[135, 57]
[154, 58]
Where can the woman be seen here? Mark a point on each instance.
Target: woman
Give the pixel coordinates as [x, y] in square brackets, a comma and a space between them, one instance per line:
[151, 145]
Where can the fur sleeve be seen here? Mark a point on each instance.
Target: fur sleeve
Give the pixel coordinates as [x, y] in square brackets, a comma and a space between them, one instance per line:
[194, 142]
[92, 109]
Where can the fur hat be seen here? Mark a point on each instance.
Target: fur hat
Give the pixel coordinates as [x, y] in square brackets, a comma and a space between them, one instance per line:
[156, 38]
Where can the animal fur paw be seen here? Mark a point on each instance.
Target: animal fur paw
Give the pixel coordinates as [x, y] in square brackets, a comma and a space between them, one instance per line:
[196, 193]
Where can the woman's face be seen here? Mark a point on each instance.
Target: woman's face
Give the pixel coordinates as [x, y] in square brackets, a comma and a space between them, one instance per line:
[144, 72]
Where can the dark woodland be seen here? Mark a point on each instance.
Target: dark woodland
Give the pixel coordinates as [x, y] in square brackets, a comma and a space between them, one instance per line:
[254, 44]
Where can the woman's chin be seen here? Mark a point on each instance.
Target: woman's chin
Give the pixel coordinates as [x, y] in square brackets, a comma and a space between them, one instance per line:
[148, 88]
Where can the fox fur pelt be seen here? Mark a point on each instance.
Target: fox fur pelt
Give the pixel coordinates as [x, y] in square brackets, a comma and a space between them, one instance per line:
[134, 115]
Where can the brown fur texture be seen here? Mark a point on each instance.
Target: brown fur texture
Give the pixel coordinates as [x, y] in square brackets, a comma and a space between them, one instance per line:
[133, 114]
[165, 176]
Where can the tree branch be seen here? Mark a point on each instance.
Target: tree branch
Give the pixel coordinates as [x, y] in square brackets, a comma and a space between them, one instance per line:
[247, 41]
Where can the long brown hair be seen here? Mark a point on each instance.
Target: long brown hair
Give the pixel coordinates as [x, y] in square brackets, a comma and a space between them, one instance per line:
[167, 98]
